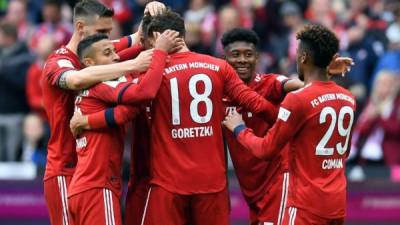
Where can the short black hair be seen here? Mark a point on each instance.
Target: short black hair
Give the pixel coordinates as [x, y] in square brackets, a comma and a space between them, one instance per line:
[240, 34]
[320, 42]
[146, 20]
[166, 20]
[85, 45]
[89, 8]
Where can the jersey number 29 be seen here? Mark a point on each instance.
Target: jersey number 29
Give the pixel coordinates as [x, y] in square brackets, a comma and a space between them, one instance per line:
[321, 148]
[197, 98]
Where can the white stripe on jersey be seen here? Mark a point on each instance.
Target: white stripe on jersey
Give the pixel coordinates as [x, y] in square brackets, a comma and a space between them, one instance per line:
[145, 206]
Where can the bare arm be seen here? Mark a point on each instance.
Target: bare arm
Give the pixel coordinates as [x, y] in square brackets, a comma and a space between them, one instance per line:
[82, 79]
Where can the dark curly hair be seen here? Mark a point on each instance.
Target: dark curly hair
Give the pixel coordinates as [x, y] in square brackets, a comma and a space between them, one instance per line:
[164, 21]
[320, 42]
[240, 34]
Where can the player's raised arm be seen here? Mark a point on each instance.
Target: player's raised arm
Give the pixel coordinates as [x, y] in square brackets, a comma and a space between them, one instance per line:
[82, 79]
[147, 87]
[288, 122]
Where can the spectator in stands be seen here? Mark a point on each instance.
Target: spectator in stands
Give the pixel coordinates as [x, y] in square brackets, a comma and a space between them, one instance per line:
[34, 144]
[14, 62]
[33, 88]
[391, 59]
[377, 132]
[52, 25]
[17, 15]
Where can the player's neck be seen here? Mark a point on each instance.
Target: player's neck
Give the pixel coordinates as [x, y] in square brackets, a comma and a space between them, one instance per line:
[315, 74]
[183, 49]
[73, 43]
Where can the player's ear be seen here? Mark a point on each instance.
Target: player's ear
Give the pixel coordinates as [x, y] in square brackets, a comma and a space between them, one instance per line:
[304, 57]
[88, 62]
[79, 25]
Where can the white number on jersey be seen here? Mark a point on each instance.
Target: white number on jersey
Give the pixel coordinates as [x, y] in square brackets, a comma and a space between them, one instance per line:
[321, 148]
[197, 98]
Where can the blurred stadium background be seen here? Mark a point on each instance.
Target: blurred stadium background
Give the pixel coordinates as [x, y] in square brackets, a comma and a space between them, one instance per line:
[369, 31]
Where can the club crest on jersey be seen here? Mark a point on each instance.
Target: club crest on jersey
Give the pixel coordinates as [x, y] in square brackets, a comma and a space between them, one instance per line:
[284, 114]
[62, 51]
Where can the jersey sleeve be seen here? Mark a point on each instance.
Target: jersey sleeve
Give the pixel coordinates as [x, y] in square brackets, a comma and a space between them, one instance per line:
[148, 85]
[130, 53]
[290, 119]
[110, 117]
[275, 87]
[235, 89]
[55, 67]
[122, 43]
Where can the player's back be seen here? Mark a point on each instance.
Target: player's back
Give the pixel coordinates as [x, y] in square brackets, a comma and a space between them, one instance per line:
[59, 106]
[187, 145]
[318, 150]
[187, 148]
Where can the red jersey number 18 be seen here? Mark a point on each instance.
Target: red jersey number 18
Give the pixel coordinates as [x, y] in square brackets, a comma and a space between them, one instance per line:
[197, 98]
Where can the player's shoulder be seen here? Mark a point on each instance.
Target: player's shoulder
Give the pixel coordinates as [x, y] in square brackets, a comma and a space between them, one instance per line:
[270, 77]
[62, 57]
[208, 58]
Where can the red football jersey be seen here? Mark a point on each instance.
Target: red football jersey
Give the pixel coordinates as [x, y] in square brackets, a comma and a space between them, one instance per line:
[187, 147]
[255, 175]
[59, 105]
[316, 121]
[99, 152]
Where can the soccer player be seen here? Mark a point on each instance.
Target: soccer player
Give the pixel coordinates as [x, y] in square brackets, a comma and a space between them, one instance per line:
[316, 123]
[263, 183]
[188, 167]
[97, 178]
[61, 74]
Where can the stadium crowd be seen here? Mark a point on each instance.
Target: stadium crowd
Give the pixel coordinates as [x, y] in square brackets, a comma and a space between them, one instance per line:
[369, 32]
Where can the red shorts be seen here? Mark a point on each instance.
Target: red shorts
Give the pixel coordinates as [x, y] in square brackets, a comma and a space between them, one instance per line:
[166, 208]
[98, 206]
[55, 193]
[135, 202]
[296, 216]
[271, 208]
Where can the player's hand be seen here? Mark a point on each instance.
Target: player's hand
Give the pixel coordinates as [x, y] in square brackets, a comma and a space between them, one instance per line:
[340, 65]
[78, 123]
[154, 8]
[142, 62]
[233, 120]
[168, 41]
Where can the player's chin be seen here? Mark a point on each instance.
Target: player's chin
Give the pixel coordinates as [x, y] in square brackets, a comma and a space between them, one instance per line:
[244, 76]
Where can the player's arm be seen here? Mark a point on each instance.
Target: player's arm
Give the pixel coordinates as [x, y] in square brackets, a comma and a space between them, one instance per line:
[81, 79]
[130, 53]
[292, 85]
[148, 86]
[288, 123]
[244, 96]
[107, 118]
[153, 8]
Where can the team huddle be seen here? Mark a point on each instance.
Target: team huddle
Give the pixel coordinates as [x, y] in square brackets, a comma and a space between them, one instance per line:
[288, 138]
